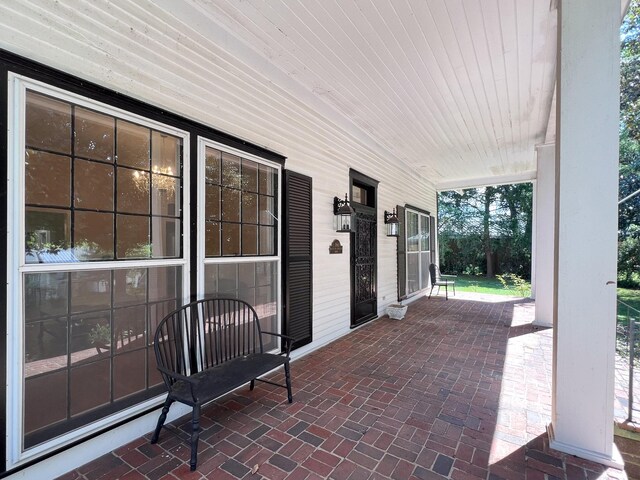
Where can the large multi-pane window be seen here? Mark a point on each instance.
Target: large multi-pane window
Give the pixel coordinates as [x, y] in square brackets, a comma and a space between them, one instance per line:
[240, 248]
[100, 260]
[418, 253]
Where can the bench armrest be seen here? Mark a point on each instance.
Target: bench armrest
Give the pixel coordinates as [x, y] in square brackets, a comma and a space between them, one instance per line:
[448, 276]
[287, 339]
[192, 382]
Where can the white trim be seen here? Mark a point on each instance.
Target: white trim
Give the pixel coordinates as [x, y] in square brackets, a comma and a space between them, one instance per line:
[17, 268]
[615, 460]
[463, 183]
[202, 260]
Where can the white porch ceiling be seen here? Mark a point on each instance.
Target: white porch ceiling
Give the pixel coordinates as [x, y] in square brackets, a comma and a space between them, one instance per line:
[454, 90]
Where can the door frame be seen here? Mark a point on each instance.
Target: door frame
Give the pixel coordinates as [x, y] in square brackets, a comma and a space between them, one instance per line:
[360, 186]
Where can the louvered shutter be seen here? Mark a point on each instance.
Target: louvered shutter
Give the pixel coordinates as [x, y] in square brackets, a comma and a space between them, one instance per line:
[402, 254]
[297, 258]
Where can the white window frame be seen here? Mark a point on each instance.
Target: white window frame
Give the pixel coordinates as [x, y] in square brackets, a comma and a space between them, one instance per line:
[202, 259]
[17, 267]
[419, 252]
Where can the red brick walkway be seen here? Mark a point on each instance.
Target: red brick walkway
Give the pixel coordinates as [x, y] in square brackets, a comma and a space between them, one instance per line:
[458, 389]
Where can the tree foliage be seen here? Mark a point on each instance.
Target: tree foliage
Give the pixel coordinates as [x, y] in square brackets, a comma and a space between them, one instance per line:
[486, 230]
[629, 210]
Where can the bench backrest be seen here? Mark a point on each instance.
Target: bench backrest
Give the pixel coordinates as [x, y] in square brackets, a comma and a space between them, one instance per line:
[206, 333]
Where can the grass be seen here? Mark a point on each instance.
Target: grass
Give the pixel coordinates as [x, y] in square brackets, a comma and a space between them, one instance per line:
[630, 297]
[477, 284]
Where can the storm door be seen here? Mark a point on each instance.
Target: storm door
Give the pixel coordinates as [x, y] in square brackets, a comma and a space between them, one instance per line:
[364, 251]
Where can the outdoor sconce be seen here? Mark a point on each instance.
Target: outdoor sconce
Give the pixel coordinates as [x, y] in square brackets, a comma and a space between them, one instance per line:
[343, 214]
[391, 220]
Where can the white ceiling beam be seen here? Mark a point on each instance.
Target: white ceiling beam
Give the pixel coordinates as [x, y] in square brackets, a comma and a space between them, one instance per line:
[462, 184]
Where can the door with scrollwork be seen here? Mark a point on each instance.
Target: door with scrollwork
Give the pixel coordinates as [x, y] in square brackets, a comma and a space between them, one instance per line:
[364, 301]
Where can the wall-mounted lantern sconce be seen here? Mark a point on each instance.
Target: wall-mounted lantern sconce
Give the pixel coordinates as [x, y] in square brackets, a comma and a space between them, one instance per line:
[391, 220]
[343, 214]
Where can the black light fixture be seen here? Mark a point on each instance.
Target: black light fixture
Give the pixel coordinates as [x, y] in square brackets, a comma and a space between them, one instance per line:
[343, 214]
[391, 220]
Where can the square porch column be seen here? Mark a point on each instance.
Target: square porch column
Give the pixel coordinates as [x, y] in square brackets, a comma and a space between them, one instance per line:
[586, 229]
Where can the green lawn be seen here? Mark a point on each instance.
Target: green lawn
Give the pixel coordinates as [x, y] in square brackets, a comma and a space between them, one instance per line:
[630, 297]
[477, 284]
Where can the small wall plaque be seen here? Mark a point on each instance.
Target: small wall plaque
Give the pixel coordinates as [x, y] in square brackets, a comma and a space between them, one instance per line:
[335, 247]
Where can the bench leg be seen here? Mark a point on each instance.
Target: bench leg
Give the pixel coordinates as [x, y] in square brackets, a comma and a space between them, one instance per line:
[195, 435]
[161, 420]
[287, 378]
[252, 385]
[431, 290]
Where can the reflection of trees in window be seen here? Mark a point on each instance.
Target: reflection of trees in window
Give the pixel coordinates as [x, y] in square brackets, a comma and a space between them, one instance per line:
[98, 187]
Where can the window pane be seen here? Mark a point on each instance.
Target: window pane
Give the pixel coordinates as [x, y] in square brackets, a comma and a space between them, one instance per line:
[133, 145]
[94, 236]
[413, 277]
[130, 286]
[267, 241]
[46, 295]
[230, 205]
[412, 232]
[424, 233]
[166, 152]
[53, 388]
[267, 180]
[93, 185]
[425, 260]
[94, 133]
[249, 208]
[249, 176]
[165, 283]
[230, 239]
[132, 237]
[267, 210]
[90, 336]
[212, 239]
[45, 345]
[129, 371]
[133, 191]
[90, 386]
[230, 170]
[212, 202]
[212, 165]
[249, 240]
[166, 237]
[48, 123]
[48, 179]
[129, 325]
[90, 290]
[48, 235]
[164, 199]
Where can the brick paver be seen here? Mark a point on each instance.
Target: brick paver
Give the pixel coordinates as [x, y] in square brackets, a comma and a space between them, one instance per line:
[458, 389]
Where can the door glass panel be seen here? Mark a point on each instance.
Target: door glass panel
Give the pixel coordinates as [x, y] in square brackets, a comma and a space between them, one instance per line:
[413, 237]
[413, 272]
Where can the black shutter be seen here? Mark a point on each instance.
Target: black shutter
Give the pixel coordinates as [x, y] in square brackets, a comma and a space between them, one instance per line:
[402, 255]
[432, 238]
[297, 258]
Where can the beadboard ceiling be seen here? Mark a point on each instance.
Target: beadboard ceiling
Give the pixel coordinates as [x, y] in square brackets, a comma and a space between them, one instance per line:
[454, 90]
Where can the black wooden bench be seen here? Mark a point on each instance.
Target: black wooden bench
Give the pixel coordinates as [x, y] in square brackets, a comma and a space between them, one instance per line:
[208, 348]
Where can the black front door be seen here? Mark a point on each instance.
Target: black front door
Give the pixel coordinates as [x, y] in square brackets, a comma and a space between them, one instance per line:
[364, 302]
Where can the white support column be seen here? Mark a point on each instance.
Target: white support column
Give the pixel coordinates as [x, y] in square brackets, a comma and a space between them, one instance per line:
[586, 229]
[544, 259]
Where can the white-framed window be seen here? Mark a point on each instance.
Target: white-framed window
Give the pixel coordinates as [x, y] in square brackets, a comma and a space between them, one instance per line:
[239, 253]
[98, 253]
[417, 250]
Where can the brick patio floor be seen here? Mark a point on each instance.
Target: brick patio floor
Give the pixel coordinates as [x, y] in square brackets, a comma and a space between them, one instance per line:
[458, 389]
